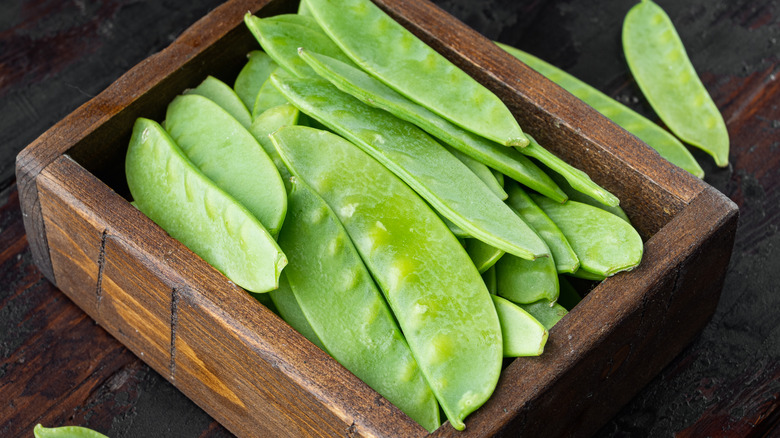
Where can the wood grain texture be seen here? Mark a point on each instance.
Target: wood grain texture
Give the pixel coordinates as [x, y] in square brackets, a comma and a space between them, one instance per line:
[285, 384]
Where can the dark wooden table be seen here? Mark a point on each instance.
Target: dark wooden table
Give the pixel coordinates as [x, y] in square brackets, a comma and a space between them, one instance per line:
[58, 367]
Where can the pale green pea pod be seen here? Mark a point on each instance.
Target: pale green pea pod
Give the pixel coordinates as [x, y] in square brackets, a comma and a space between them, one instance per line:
[483, 255]
[382, 47]
[224, 96]
[266, 124]
[562, 253]
[373, 92]
[546, 312]
[346, 310]
[454, 229]
[268, 97]
[657, 59]
[229, 155]
[489, 277]
[448, 186]
[523, 335]
[171, 191]
[575, 195]
[526, 281]
[483, 172]
[65, 432]
[281, 40]
[252, 76]
[656, 137]
[303, 10]
[585, 275]
[437, 295]
[288, 308]
[604, 243]
[576, 179]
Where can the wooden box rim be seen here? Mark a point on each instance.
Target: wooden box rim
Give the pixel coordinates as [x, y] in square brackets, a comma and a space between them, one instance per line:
[690, 212]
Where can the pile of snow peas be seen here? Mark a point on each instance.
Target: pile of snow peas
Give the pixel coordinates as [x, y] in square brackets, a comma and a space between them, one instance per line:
[382, 202]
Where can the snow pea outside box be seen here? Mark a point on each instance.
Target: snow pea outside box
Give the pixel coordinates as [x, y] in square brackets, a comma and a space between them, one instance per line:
[257, 376]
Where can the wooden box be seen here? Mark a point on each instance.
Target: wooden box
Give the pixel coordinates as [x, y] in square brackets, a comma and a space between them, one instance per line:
[258, 377]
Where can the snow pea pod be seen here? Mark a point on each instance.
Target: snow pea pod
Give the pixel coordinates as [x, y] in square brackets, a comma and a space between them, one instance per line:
[546, 312]
[483, 172]
[288, 308]
[373, 92]
[439, 298]
[563, 254]
[229, 155]
[657, 59]
[523, 335]
[65, 432]
[585, 275]
[252, 76]
[483, 255]
[489, 277]
[576, 195]
[337, 295]
[384, 48]
[604, 243]
[577, 179]
[266, 124]
[656, 137]
[448, 186]
[268, 96]
[224, 96]
[281, 40]
[526, 281]
[171, 191]
[569, 297]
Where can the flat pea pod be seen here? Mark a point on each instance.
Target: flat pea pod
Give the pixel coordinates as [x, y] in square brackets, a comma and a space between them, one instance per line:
[224, 96]
[66, 432]
[658, 61]
[585, 275]
[171, 191]
[577, 179]
[438, 297]
[266, 124]
[604, 243]
[434, 173]
[229, 155]
[342, 304]
[483, 172]
[656, 137]
[489, 277]
[268, 96]
[526, 281]
[373, 92]
[483, 255]
[564, 256]
[384, 48]
[546, 312]
[288, 308]
[252, 76]
[281, 40]
[523, 335]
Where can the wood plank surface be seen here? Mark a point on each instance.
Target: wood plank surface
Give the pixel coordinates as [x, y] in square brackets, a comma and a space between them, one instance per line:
[58, 367]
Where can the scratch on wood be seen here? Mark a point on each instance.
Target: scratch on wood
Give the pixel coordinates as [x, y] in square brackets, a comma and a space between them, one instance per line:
[101, 265]
[174, 321]
[351, 431]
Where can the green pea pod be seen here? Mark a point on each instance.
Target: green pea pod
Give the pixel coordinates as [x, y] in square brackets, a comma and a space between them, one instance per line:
[657, 59]
[344, 307]
[575, 195]
[281, 40]
[604, 243]
[229, 155]
[171, 191]
[526, 281]
[288, 308]
[568, 298]
[523, 335]
[252, 76]
[483, 172]
[266, 124]
[546, 312]
[373, 92]
[499, 177]
[65, 432]
[483, 255]
[435, 292]
[224, 96]
[268, 96]
[656, 137]
[577, 179]
[562, 253]
[384, 48]
[448, 186]
[489, 277]
[585, 275]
